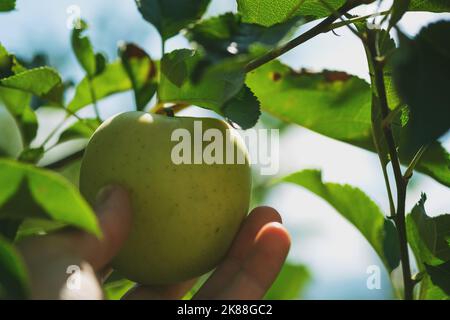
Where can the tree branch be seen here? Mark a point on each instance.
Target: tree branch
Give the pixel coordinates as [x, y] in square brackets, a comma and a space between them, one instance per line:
[322, 27]
[400, 182]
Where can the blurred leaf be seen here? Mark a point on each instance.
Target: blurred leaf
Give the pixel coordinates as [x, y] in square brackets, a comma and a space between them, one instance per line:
[9, 64]
[7, 5]
[422, 73]
[56, 95]
[142, 72]
[227, 35]
[398, 9]
[17, 102]
[37, 227]
[429, 291]
[219, 83]
[436, 163]
[335, 104]
[9, 228]
[17, 88]
[355, 206]
[440, 276]
[38, 81]
[83, 128]
[268, 12]
[243, 109]
[14, 282]
[115, 290]
[10, 138]
[429, 5]
[170, 16]
[290, 283]
[112, 80]
[31, 155]
[29, 192]
[83, 50]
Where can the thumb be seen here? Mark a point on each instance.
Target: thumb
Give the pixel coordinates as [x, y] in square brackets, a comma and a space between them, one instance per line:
[114, 212]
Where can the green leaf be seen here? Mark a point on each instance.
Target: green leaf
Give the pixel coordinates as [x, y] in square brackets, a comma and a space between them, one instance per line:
[112, 80]
[227, 35]
[14, 282]
[290, 283]
[17, 87]
[422, 73]
[440, 276]
[428, 238]
[355, 206]
[18, 104]
[170, 16]
[38, 81]
[9, 228]
[142, 71]
[398, 9]
[429, 5]
[115, 290]
[218, 84]
[331, 103]
[7, 5]
[83, 128]
[31, 155]
[243, 109]
[29, 192]
[37, 227]
[436, 163]
[10, 139]
[268, 12]
[82, 47]
[428, 235]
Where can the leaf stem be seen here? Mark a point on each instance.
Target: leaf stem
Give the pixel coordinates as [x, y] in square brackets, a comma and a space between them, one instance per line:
[344, 23]
[94, 99]
[54, 131]
[311, 33]
[409, 171]
[401, 183]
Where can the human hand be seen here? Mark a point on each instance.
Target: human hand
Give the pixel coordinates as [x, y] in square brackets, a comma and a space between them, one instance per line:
[247, 272]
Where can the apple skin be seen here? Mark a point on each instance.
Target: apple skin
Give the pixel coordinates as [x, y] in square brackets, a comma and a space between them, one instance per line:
[184, 216]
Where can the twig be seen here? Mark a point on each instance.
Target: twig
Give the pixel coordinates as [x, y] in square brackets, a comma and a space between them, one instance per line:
[311, 33]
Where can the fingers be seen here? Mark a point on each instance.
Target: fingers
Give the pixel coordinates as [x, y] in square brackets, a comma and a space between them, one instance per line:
[243, 247]
[260, 269]
[53, 259]
[114, 213]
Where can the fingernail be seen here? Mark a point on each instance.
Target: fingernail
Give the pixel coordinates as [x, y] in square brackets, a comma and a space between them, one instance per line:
[103, 195]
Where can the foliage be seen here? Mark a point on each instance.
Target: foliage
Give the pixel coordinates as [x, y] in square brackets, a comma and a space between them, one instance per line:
[233, 70]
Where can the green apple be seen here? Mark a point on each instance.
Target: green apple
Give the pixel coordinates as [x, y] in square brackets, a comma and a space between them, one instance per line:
[185, 216]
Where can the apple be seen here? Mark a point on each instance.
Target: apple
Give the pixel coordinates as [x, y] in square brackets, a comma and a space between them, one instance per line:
[185, 214]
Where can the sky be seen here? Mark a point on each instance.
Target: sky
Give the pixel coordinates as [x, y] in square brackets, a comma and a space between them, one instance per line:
[332, 248]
